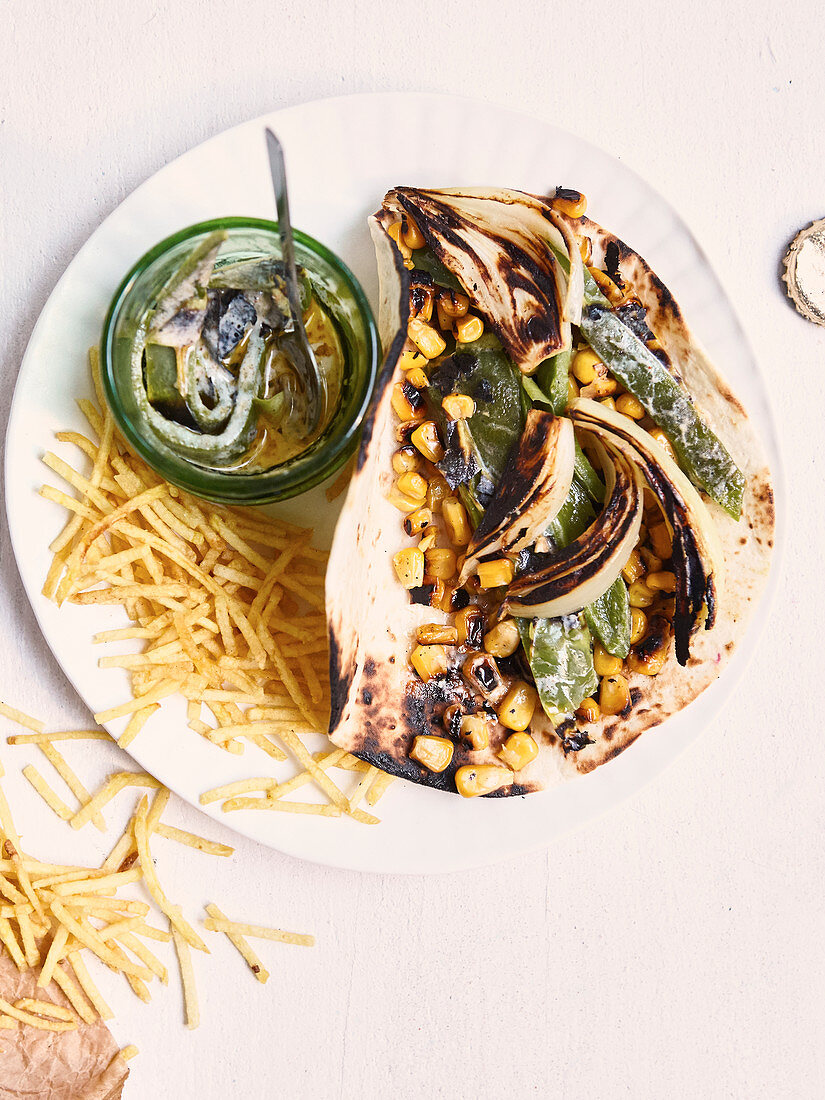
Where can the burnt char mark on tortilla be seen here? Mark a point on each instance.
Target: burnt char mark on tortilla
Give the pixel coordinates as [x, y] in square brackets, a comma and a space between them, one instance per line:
[634, 316]
[339, 682]
[441, 219]
[575, 740]
[611, 263]
[391, 357]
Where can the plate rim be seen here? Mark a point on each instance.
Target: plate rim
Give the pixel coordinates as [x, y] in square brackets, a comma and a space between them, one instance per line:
[730, 676]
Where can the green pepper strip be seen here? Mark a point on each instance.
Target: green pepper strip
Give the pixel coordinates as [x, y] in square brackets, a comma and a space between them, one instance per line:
[561, 660]
[207, 419]
[608, 616]
[229, 443]
[699, 450]
[425, 260]
[587, 475]
[552, 376]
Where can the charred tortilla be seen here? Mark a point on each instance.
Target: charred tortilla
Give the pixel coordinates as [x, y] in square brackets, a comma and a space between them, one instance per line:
[510, 270]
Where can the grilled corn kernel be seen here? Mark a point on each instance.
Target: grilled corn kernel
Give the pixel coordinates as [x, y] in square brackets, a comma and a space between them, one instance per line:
[654, 344]
[440, 563]
[503, 640]
[600, 388]
[640, 595]
[411, 235]
[572, 389]
[614, 695]
[444, 321]
[453, 303]
[456, 522]
[468, 329]
[427, 339]
[661, 541]
[515, 712]
[418, 520]
[435, 753]
[451, 719]
[422, 299]
[436, 634]
[518, 751]
[633, 567]
[437, 593]
[416, 377]
[642, 539]
[661, 582]
[448, 598]
[569, 202]
[473, 780]
[586, 249]
[605, 663]
[664, 442]
[589, 710]
[404, 430]
[411, 357]
[409, 566]
[638, 625]
[406, 404]
[631, 406]
[406, 460]
[395, 232]
[587, 366]
[458, 406]
[429, 661]
[475, 728]
[425, 438]
[494, 574]
[653, 564]
[649, 656]
[402, 502]
[481, 673]
[469, 622]
[608, 403]
[413, 485]
[427, 540]
[606, 285]
[437, 492]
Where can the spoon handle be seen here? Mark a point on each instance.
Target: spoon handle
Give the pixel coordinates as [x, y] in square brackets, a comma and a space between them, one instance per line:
[277, 169]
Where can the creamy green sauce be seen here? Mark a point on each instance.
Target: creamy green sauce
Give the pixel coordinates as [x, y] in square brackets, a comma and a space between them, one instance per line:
[211, 381]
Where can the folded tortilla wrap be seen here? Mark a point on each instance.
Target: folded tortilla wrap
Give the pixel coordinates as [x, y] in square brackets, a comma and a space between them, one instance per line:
[378, 703]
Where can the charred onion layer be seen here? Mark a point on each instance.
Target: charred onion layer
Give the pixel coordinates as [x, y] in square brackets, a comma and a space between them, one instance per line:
[578, 574]
[504, 247]
[697, 555]
[534, 485]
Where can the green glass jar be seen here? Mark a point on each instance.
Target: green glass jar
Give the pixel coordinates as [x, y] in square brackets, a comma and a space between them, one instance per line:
[342, 297]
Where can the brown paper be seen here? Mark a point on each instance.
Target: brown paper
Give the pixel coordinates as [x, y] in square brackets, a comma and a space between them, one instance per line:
[49, 1065]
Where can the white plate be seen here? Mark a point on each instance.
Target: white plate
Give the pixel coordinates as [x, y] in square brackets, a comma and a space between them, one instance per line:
[342, 155]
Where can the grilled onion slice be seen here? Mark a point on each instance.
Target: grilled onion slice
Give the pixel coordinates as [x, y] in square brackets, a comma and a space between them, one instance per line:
[579, 573]
[698, 560]
[504, 247]
[533, 486]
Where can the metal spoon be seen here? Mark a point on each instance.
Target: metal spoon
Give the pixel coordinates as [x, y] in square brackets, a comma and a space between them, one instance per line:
[293, 340]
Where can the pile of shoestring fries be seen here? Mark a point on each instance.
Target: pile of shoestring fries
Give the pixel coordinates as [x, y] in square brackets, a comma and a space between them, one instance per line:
[227, 605]
[53, 917]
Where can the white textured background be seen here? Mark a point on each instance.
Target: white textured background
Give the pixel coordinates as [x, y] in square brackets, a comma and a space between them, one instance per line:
[673, 948]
